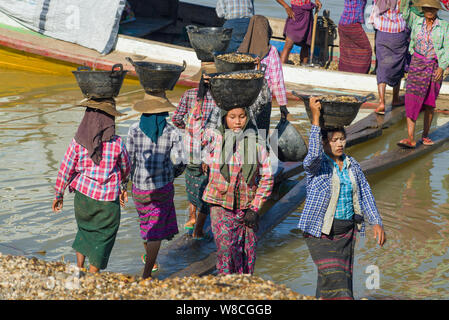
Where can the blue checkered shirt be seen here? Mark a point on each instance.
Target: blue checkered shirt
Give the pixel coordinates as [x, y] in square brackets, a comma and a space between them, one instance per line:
[153, 165]
[319, 177]
[353, 12]
[345, 206]
[235, 9]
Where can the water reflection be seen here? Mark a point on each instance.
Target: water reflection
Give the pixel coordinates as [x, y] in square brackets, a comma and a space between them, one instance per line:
[412, 198]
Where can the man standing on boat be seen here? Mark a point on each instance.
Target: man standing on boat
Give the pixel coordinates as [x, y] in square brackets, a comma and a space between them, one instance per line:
[392, 40]
[237, 14]
[298, 27]
[355, 48]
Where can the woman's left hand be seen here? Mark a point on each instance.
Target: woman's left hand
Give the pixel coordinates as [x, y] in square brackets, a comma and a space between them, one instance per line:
[318, 5]
[379, 233]
[123, 198]
[438, 75]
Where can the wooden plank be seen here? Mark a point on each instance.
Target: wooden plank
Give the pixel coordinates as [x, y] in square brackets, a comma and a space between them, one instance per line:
[400, 155]
[283, 207]
[297, 194]
[268, 221]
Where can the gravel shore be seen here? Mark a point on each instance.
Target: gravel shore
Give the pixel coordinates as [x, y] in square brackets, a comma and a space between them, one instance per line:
[23, 278]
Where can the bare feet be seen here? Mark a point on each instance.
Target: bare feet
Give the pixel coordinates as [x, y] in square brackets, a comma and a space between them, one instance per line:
[398, 102]
[190, 224]
[380, 109]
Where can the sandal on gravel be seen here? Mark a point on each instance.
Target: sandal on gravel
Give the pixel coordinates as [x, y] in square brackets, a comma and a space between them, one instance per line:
[427, 142]
[406, 143]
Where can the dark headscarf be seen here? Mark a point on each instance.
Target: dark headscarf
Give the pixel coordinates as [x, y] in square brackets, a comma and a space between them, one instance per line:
[153, 124]
[257, 38]
[249, 136]
[96, 127]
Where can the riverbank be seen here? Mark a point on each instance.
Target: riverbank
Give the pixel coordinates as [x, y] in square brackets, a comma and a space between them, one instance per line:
[24, 278]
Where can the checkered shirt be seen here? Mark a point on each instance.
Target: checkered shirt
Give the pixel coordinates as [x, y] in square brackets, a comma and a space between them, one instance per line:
[390, 21]
[210, 113]
[153, 163]
[353, 12]
[439, 35]
[235, 9]
[299, 2]
[237, 194]
[345, 207]
[319, 177]
[445, 3]
[194, 127]
[275, 76]
[99, 182]
[424, 43]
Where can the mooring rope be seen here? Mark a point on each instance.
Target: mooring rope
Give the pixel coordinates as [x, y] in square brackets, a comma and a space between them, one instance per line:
[60, 109]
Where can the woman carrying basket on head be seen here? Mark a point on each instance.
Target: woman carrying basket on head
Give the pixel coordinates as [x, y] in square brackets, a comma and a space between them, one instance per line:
[338, 200]
[94, 166]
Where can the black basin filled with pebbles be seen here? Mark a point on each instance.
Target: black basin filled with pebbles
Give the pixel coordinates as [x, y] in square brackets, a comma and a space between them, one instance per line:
[237, 89]
[235, 61]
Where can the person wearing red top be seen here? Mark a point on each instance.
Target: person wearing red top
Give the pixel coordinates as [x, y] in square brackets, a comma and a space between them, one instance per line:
[94, 165]
[240, 182]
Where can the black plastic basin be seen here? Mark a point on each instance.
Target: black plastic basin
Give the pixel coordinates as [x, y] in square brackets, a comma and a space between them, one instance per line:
[100, 84]
[226, 66]
[206, 41]
[235, 93]
[157, 76]
[335, 114]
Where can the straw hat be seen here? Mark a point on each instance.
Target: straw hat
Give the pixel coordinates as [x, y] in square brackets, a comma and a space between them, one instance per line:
[153, 104]
[107, 105]
[429, 3]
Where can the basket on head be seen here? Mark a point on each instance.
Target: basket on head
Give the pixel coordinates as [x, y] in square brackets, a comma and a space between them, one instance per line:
[100, 84]
[223, 63]
[336, 110]
[206, 41]
[155, 77]
[237, 89]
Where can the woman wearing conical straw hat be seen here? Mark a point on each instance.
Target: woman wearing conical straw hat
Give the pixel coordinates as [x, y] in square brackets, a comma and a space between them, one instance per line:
[156, 151]
[94, 165]
[429, 46]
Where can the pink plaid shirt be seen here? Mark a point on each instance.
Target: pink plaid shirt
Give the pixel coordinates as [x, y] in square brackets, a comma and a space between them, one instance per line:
[390, 21]
[275, 76]
[99, 182]
[299, 2]
[446, 3]
[219, 191]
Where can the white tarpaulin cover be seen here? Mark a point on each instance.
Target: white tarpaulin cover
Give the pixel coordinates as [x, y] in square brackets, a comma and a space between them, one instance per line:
[92, 24]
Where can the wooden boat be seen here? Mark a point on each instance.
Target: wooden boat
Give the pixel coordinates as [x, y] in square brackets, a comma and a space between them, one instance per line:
[149, 36]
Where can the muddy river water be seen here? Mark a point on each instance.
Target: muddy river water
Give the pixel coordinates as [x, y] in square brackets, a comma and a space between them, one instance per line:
[412, 198]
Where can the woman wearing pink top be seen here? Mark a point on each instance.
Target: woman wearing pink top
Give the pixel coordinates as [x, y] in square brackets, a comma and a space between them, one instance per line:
[257, 41]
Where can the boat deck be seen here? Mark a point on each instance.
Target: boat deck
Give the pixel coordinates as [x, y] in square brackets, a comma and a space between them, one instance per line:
[68, 53]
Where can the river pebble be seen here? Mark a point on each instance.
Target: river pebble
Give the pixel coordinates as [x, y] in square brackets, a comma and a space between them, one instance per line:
[23, 278]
